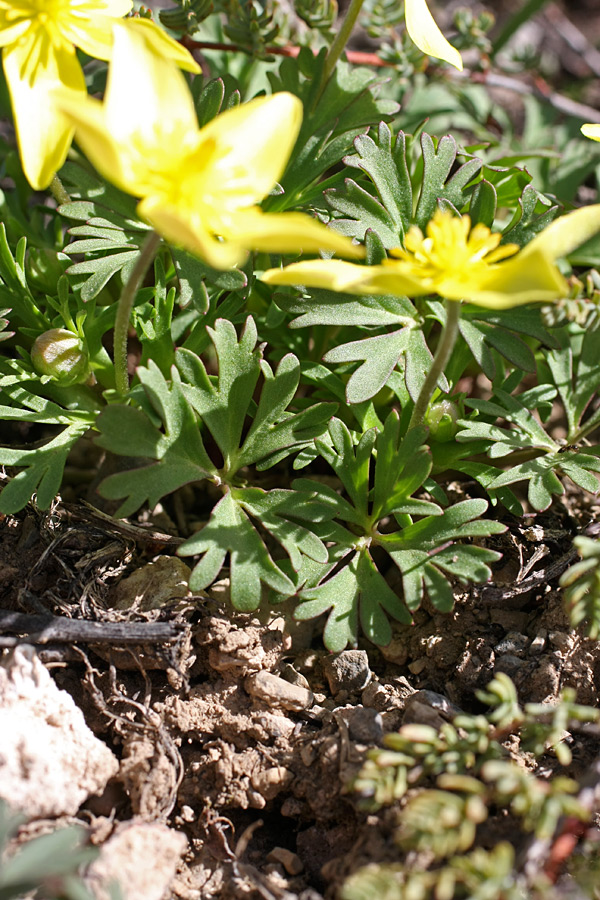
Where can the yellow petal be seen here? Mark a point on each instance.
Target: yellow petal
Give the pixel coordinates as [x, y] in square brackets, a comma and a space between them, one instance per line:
[565, 234]
[253, 144]
[178, 227]
[34, 70]
[11, 30]
[591, 131]
[147, 97]
[291, 232]
[426, 35]
[89, 25]
[114, 8]
[525, 278]
[88, 117]
[159, 43]
[331, 274]
[146, 123]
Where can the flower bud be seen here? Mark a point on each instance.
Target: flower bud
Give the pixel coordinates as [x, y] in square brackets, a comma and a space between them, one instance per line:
[61, 354]
[442, 418]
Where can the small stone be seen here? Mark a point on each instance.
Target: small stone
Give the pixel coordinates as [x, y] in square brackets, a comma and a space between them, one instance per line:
[290, 674]
[291, 862]
[396, 651]
[514, 642]
[270, 782]
[539, 642]
[365, 725]
[274, 691]
[50, 761]
[151, 586]
[142, 857]
[347, 671]
[509, 664]
[418, 666]
[560, 639]
[188, 814]
[429, 708]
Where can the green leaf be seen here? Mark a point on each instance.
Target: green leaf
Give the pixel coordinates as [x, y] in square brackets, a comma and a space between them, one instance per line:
[330, 308]
[384, 160]
[421, 553]
[356, 591]
[528, 432]
[223, 405]
[438, 185]
[575, 371]
[274, 433]
[230, 532]
[403, 465]
[542, 478]
[346, 107]
[380, 355]
[42, 470]
[101, 270]
[528, 220]
[178, 449]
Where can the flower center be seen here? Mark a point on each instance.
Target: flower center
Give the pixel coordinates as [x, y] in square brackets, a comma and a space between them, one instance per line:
[451, 253]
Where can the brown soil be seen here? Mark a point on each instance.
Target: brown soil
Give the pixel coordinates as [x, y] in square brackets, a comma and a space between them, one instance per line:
[244, 736]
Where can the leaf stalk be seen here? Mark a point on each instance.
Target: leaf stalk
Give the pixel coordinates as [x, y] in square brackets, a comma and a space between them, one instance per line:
[125, 305]
[338, 44]
[442, 355]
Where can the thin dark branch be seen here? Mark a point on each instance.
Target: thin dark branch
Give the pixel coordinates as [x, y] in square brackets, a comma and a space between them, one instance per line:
[45, 629]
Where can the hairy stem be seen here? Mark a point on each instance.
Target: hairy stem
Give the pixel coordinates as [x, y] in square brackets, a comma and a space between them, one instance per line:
[125, 305]
[442, 355]
[339, 42]
[58, 191]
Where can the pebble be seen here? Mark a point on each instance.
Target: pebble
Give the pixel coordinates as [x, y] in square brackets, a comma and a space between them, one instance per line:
[539, 641]
[275, 691]
[152, 586]
[429, 708]
[509, 664]
[560, 639]
[396, 651]
[291, 675]
[416, 667]
[290, 861]
[365, 725]
[347, 671]
[270, 782]
[514, 642]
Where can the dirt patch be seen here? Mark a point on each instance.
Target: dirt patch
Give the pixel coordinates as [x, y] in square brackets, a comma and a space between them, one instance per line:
[241, 741]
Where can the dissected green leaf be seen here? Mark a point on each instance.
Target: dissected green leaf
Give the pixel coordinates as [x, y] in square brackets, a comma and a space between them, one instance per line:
[230, 532]
[178, 449]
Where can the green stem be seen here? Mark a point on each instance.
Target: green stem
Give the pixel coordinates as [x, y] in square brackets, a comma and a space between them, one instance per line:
[125, 305]
[442, 355]
[58, 191]
[337, 47]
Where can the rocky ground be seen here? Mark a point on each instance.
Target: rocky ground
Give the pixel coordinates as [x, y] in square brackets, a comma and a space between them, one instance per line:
[215, 758]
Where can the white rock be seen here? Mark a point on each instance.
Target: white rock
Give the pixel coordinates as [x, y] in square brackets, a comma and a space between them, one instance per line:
[142, 857]
[50, 761]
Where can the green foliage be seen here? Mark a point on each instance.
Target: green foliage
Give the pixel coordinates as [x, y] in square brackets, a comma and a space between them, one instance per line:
[474, 778]
[428, 552]
[49, 865]
[581, 587]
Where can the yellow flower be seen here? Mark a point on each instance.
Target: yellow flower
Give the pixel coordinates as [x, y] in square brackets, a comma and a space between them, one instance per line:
[458, 262]
[426, 35]
[199, 188]
[591, 131]
[39, 38]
